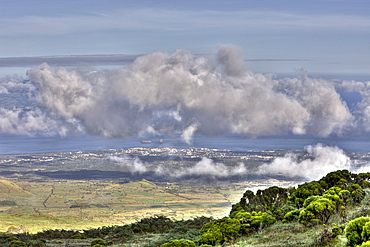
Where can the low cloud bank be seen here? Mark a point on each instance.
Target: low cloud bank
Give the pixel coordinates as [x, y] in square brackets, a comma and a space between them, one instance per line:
[179, 93]
[207, 167]
[318, 161]
[134, 165]
[321, 161]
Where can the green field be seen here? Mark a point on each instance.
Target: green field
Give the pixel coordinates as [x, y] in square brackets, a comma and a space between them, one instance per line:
[82, 190]
[71, 204]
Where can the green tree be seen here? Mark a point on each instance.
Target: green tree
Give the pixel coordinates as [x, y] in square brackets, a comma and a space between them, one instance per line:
[304, 191]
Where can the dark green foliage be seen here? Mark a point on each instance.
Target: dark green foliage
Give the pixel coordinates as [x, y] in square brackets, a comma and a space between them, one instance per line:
[341, 178]
[155, 224]
[119, 233]
[36, 243]
[363, 180]
[304, 191]
[354, 231]
[17, 243]
[8, 203]
[270, 199]
[79, 236]
[10, 239]
[357, 193]
[169, 230]
[179, 243]
[99, 242]
[54, 234]
[337, 230]
[325, 237]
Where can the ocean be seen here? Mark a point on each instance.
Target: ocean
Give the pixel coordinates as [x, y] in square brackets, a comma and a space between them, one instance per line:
[19, 144]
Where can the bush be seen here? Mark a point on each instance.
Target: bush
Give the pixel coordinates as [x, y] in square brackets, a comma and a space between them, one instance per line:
[17, 243]
[304, 191]
[365, 244]
[99, 242]
[291, 216]
[318, 210]
[366, 232]
[36, 243]
[219, 231]
[337, 230]
[79, 236]
[354, 231]
[179, 243]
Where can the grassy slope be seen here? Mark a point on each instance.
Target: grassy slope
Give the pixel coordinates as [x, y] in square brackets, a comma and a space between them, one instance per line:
[69, 204]
[30, 219]
[296, 234]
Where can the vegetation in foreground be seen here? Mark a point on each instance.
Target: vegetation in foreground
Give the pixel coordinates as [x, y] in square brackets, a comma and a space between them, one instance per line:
[330, 212]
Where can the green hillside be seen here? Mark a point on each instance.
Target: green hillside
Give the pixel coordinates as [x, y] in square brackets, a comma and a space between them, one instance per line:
[10, 188]
[332, 211]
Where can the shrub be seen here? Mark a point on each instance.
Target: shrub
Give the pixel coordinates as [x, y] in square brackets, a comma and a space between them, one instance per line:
[291, 216]
[10, 239]
[318, 211]
[17, 243]
[354, 231]
[99, 242]
[357, 193]
[365, 244]
[304, 191]
[219, 231]
[366, 232]
[36, 243]
[79, 236]
[260, 220]
[179, 243]
[337, 230]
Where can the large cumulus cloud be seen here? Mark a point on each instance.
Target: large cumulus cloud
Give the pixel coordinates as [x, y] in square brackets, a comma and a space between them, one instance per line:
[182, 93]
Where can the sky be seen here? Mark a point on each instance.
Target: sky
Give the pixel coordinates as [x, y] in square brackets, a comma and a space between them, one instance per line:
[321, 36]
[207, 67]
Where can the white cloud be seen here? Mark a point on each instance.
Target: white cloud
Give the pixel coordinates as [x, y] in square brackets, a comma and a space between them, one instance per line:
[178, 93]
[188, 133]
[324, 160]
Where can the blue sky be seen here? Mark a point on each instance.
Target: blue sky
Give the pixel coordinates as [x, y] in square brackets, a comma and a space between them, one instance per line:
[322, 36]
